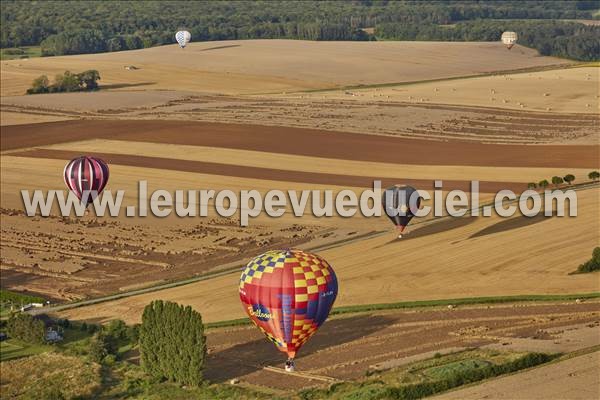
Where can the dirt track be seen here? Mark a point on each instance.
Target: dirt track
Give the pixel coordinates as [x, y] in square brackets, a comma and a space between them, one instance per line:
[347, 347]
[309, 142]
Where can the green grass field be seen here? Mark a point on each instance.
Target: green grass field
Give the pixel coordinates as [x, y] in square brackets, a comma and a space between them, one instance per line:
[427, 377]
[364, 308]
[20, 52]
[12, 348]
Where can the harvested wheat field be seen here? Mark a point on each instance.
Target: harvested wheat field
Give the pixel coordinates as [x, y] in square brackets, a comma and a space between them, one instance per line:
[473, 257]
[119, 252]
[277, 65]
[571, 90]
[297, 115]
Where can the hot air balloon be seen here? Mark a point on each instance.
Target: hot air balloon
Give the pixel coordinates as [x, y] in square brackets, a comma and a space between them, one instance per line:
[183, 38]
[509, 39]
[85, 173]
[396, 202]
[288, 295]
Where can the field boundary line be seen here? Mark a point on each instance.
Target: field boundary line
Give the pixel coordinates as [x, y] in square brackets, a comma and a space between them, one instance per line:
[480, 75]
[306, 375]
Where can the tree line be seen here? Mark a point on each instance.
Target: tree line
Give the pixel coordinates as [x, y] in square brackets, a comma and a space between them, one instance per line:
[66, 82]
[558, 180]
[171, 340]
[77, 27]
[551, 38]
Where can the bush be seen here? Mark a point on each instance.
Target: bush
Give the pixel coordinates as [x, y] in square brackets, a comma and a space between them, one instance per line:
[39, 85]
[594, 175]
[172, 343]
[24, 327]
[117, 329]
[557, 180]
[98, 348]
[133, 334]
[101, 346]
[591, 265]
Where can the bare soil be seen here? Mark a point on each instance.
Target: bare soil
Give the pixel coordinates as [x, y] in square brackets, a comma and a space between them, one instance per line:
[348, 347]
[311, 142]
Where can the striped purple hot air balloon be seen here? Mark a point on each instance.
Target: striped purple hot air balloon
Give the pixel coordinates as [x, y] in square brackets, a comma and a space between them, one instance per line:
[85, 173]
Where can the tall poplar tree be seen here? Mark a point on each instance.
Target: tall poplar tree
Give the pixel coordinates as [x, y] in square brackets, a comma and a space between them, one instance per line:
[172, 342]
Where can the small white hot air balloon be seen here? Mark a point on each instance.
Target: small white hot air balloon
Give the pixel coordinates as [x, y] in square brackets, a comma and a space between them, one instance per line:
[509, 39]
[183, 38]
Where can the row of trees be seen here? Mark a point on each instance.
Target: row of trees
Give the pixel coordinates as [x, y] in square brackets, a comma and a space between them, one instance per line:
[75, 27]
[67, 82]
[551, 38]
[557, 180]
[25, 327]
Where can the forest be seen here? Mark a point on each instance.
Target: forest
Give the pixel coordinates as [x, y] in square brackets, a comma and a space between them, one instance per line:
[77, 27]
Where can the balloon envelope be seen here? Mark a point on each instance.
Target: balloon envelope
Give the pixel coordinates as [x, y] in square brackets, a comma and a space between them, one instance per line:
[288, 294]
[85, 173]
[396, 202]
[509, 39]
[183, 38]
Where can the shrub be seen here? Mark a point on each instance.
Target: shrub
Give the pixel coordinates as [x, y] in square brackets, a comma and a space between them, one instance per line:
[133, 334]
[557, 180]
[39, 85]
[532, 185]
[543, 184]
[172, 343]
[594, 175]
[98, 348]
[102, 345]
[117, 329]
[591, 265]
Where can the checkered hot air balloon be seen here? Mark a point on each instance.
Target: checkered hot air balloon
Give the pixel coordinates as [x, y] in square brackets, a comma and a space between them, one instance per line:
[183, 38]
[86, 175]
[288, 295]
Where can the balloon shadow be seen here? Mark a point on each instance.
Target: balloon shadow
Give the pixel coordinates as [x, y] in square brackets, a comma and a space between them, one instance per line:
[251, 356]
[509, 224]
[434, 228]
[125, 85]
[221, 47]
